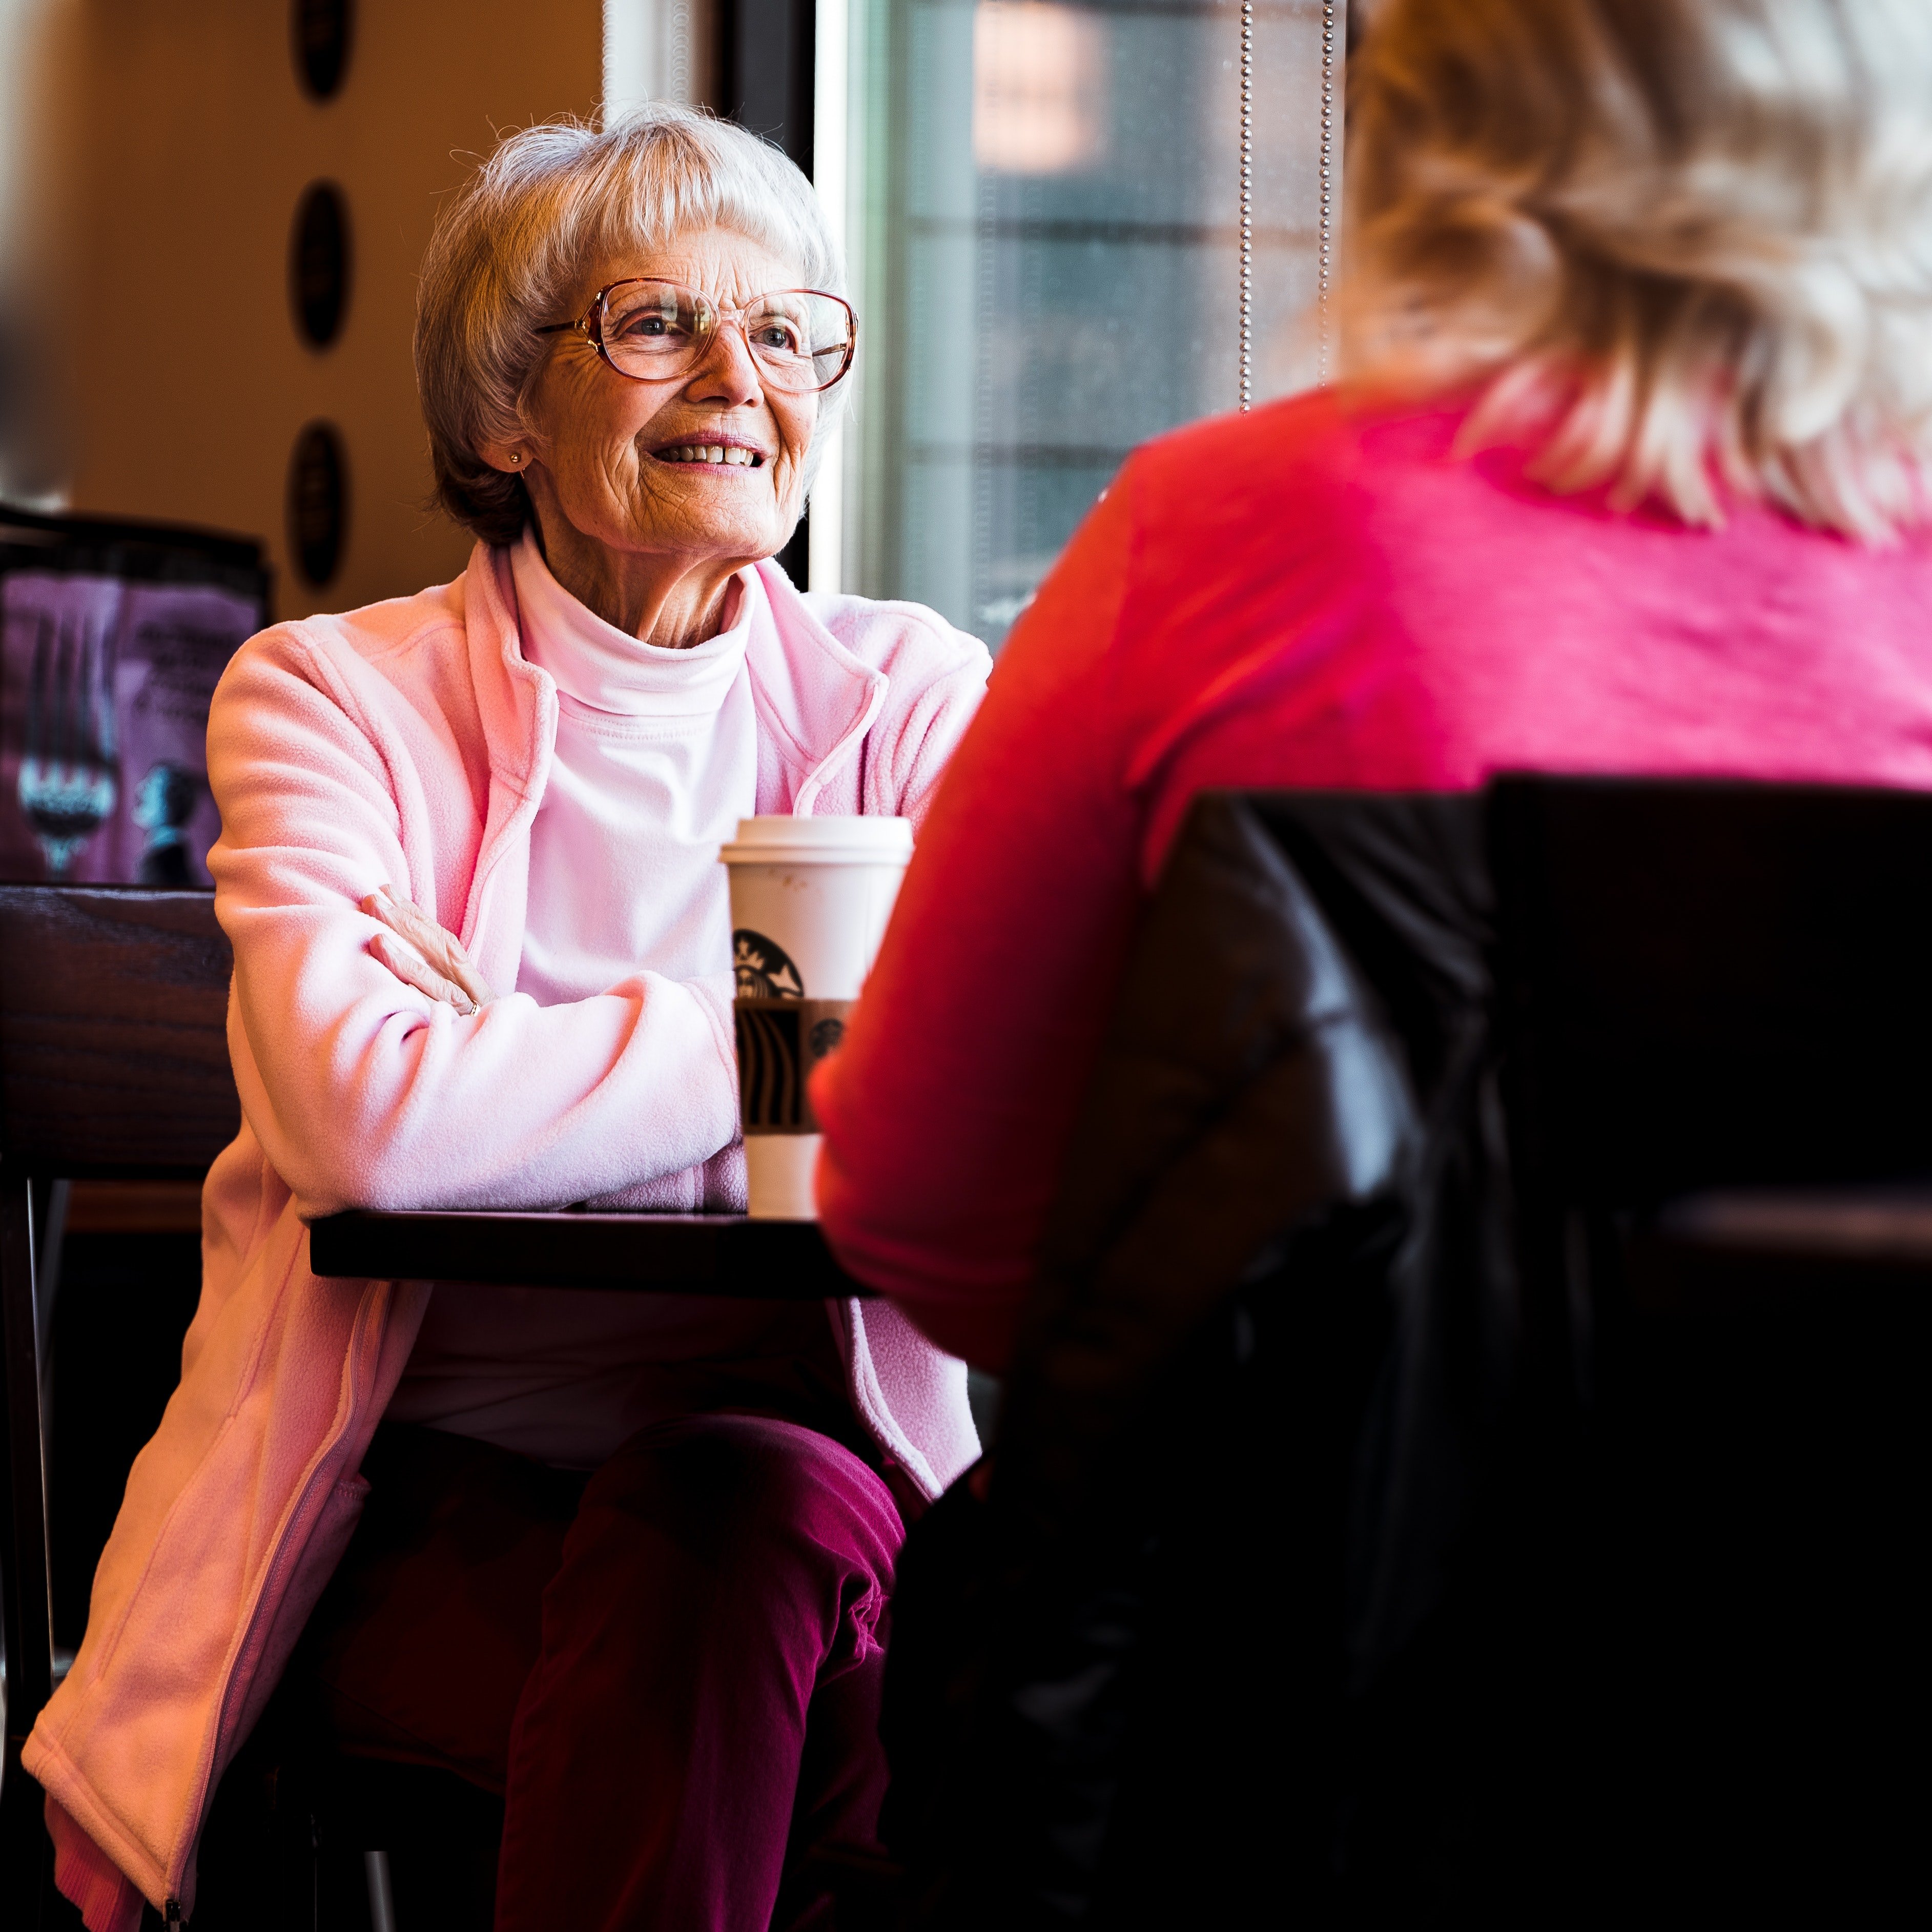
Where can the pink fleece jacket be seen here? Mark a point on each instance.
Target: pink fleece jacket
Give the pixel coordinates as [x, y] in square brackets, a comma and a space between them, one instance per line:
[409, 744]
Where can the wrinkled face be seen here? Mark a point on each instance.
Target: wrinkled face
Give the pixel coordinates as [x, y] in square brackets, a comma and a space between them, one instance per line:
[710, 464]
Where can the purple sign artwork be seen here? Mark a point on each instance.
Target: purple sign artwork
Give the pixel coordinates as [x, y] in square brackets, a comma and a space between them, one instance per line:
[104, 689]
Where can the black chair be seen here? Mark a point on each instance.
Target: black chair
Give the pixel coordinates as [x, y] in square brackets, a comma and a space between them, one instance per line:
[1719, 1046]
[1115, 1682]
[1348, 1551]
[113, 1064]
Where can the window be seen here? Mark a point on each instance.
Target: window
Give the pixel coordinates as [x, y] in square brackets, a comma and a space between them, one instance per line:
[1045, 202]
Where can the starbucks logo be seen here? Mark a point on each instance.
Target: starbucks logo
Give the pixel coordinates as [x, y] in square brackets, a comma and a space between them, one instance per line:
[763, 968]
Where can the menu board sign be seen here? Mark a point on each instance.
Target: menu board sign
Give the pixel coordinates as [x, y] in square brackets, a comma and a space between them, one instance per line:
[105, 681]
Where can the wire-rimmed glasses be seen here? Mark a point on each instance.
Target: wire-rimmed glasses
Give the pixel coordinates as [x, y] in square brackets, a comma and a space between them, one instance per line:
[653, 331]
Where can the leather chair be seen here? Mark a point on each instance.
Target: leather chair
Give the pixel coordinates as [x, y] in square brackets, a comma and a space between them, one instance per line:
[1115, 1682]
[1719, 1046]
[1347, 1551]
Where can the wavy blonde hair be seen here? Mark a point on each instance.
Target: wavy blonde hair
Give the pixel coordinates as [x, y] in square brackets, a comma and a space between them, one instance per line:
[1681, 249]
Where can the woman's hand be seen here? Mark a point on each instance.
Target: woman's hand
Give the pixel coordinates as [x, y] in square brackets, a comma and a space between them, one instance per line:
[421, 955]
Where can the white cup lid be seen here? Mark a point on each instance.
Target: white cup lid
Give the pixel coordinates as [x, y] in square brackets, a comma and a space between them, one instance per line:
[778, 840]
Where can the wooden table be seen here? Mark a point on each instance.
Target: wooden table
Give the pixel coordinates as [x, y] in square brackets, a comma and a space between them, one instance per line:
[682, 1254]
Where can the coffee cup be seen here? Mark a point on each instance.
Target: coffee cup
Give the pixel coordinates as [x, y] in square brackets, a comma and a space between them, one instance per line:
[810, 899]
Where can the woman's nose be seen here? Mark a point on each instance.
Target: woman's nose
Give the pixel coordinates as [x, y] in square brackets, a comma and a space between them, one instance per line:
[727, 372]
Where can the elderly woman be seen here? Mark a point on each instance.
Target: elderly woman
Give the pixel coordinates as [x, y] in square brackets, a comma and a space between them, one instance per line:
[1631, 472]
[625, 1558]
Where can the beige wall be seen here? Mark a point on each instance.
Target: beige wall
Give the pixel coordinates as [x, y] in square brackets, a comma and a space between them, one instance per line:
[184, 144]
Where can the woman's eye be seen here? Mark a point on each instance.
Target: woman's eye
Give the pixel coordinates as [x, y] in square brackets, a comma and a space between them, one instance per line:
[649, 328]
[777, 335]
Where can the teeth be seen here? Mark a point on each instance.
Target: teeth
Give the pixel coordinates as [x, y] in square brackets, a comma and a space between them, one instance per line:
[711, 452]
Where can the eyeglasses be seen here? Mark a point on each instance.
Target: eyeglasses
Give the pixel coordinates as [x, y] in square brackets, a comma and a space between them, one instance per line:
[653, 331]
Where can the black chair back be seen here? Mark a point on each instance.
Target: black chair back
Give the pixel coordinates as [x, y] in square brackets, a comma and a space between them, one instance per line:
[113, 1032]
[1712, 984]
[1718, 1045]
[1114, 1680]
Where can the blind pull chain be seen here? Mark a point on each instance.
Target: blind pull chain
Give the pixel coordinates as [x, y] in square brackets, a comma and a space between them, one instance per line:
[1248, 199]
[1331, 10]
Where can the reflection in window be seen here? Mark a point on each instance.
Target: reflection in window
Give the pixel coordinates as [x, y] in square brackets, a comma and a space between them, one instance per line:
[1039, 104]
[1048, 252]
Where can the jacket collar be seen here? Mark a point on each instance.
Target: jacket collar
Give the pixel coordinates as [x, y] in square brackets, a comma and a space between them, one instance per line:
[516, 705]
[517, 702]
[815, 700]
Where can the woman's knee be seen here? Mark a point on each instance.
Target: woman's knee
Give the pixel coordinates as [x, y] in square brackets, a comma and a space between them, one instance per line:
[730, 1490]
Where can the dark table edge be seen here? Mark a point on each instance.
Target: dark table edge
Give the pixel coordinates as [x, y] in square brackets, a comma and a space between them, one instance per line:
[728, 1254]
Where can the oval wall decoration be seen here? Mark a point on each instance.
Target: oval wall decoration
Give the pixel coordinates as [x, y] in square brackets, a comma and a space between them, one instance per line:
[319, 263]
[318, 502]
[322, 30]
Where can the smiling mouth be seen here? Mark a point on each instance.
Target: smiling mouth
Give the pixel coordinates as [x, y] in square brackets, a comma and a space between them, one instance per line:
[732, 455]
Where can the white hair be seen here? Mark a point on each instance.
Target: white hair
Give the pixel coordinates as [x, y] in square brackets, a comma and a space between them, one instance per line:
[1679, 248]
[509, 253]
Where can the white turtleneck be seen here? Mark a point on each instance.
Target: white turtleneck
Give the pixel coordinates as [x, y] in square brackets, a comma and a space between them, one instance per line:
[655, 763]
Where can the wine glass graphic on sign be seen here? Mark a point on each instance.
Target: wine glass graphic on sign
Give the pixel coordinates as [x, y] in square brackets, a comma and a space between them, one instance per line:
[68, 782]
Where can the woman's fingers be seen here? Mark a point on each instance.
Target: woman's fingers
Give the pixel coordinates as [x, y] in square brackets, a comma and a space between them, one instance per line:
[465, 974]
[436, 951]
[443, 950]
[410, 966]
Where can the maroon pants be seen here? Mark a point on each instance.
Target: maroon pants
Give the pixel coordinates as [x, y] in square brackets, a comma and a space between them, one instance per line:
[671, 1672]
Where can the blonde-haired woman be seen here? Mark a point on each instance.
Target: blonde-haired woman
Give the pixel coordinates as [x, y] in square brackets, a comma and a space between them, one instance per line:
[1629, 473]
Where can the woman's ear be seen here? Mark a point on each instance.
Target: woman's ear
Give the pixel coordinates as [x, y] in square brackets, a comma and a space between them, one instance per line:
[513, 454]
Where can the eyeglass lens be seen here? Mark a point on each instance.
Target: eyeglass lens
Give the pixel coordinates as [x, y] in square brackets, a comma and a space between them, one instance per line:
[655, 329]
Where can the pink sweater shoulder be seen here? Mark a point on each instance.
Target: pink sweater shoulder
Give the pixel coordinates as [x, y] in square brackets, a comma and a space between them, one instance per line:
[1309, 596]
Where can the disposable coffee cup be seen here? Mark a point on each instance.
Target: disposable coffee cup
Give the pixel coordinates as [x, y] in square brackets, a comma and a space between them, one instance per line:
[810, 899]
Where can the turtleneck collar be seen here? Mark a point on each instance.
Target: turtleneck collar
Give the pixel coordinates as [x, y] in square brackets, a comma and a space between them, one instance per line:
[597, 665]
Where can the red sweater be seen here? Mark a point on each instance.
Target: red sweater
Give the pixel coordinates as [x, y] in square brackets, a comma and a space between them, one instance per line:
[1301, 597]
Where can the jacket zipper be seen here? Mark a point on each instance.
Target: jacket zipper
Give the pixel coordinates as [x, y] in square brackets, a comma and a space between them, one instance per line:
[264, 1597]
